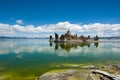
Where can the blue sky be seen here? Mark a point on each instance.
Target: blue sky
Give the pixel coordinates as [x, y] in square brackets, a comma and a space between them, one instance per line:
[47, 12]
[39, 12]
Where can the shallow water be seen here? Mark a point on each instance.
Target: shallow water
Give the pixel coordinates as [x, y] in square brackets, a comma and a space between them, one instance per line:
[25, 59]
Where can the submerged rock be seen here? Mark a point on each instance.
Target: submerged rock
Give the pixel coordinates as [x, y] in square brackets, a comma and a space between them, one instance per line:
[66, 75]
[78, 72]
[91, 67]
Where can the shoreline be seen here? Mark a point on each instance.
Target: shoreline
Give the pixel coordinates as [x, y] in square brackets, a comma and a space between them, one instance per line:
[76, 72]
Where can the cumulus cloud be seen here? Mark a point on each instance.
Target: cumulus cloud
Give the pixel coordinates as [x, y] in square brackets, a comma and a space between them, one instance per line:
[61, 27]
[19, 21]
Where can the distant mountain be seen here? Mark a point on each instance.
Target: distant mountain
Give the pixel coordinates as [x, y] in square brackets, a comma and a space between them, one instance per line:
[7, 37]
[109, 37]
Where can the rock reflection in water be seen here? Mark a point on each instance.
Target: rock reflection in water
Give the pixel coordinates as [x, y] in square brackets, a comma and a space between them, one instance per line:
[51, 44]
[56, 46]
[96, 44]
[69, 46]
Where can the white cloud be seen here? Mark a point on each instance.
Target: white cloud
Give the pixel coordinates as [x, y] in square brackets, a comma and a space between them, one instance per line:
[19, 21]
[61, 27]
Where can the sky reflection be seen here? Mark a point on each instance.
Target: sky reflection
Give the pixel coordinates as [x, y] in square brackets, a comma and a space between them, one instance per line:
[19, 46]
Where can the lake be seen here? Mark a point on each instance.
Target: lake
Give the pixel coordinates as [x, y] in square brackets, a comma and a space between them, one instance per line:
[25, 59]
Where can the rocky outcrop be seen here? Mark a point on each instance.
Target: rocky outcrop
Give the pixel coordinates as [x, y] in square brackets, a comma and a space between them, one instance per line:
[96, 38]
[65, 75]
[67, 37]
[103, 75]
[51, 39]
[79, 75]
[78, 72]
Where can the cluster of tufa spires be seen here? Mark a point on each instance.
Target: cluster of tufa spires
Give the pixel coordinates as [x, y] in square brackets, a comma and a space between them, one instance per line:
[67, 37]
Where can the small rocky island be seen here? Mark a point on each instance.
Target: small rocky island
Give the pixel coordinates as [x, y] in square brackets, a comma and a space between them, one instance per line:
[68, 37]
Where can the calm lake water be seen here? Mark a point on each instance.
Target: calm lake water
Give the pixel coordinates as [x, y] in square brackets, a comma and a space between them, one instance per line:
[25, 59]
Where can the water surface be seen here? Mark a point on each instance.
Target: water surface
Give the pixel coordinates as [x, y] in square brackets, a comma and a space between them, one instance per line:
[29, 58]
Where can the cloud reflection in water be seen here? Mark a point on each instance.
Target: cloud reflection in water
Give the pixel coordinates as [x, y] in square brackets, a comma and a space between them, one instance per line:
[42, 46]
